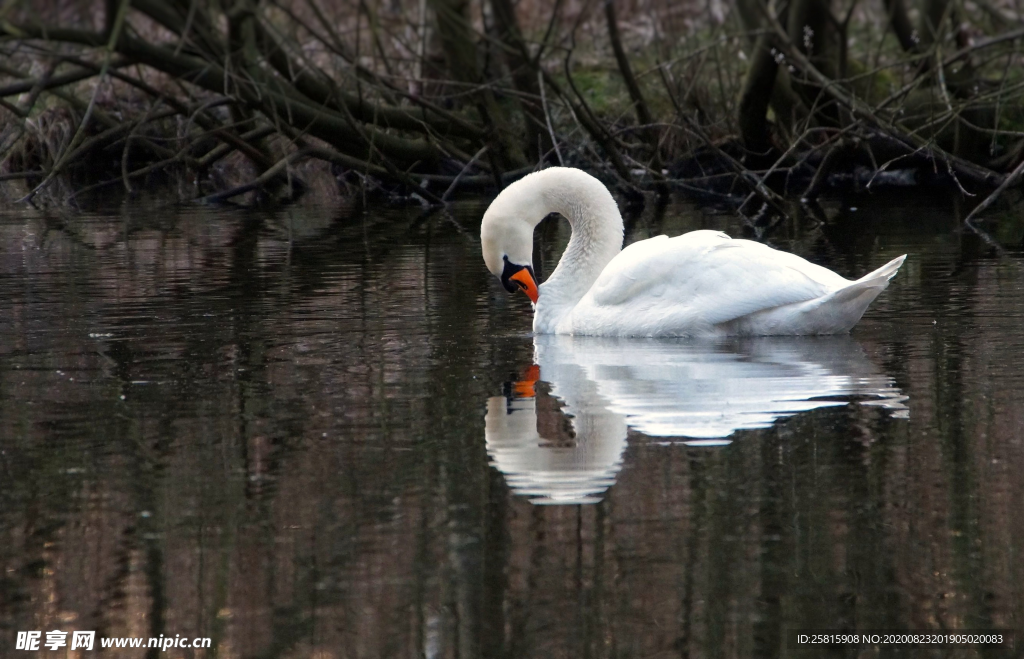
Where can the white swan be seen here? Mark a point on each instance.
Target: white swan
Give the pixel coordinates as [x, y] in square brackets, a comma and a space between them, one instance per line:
[697, 284]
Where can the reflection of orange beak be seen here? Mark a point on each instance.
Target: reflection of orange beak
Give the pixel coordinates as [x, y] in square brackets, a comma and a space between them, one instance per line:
[524, 388]
[529, 286]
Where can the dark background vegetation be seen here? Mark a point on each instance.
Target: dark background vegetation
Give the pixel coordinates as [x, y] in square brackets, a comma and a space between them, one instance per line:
[740, 100]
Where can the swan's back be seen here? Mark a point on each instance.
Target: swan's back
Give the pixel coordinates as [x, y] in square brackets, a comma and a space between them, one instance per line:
[706, 283]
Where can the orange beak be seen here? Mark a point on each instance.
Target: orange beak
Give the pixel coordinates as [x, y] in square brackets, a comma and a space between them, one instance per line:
[527, 284]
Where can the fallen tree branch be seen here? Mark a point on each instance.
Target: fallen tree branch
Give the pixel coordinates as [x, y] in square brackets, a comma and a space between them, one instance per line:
[30, 84]
[1011, 180]
[267, 177]
[320, 121]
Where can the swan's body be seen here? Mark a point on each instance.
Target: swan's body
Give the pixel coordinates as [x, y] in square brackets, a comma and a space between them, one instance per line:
[697, 284]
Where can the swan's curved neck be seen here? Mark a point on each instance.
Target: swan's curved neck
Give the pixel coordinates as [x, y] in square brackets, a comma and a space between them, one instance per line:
[506, 235]
[596, 238]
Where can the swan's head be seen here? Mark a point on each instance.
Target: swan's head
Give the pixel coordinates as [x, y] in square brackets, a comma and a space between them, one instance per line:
[506, 234]
[506, 237]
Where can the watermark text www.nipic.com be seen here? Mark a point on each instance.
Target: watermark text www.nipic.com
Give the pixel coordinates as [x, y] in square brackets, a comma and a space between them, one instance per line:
[58, 640]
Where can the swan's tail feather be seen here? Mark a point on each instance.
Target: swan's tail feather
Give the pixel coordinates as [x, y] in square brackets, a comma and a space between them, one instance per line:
[870, 285]
[832, 313]
[861, 293]
[885, 273]
[847, 305]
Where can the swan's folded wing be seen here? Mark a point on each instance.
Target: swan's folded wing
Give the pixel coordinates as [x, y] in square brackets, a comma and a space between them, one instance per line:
[641, 268]
[708, 278]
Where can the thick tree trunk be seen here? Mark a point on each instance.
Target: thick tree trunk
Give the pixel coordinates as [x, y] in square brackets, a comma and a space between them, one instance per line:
[517, 58]
[934, 15]
[643, 114]
[756, 95]
[812, 28]
[901, 26]
[459, 45]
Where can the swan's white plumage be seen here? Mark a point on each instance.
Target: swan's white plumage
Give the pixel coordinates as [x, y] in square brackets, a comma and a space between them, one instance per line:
[705, 282]
[699, 283]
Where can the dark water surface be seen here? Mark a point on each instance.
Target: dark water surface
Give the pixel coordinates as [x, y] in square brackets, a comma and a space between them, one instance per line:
[318, 434]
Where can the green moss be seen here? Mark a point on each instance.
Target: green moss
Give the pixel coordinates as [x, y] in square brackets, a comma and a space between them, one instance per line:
[603, 91]
[873, 87]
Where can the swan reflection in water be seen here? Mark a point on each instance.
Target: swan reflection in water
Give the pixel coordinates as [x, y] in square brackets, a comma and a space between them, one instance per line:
[566, 447]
